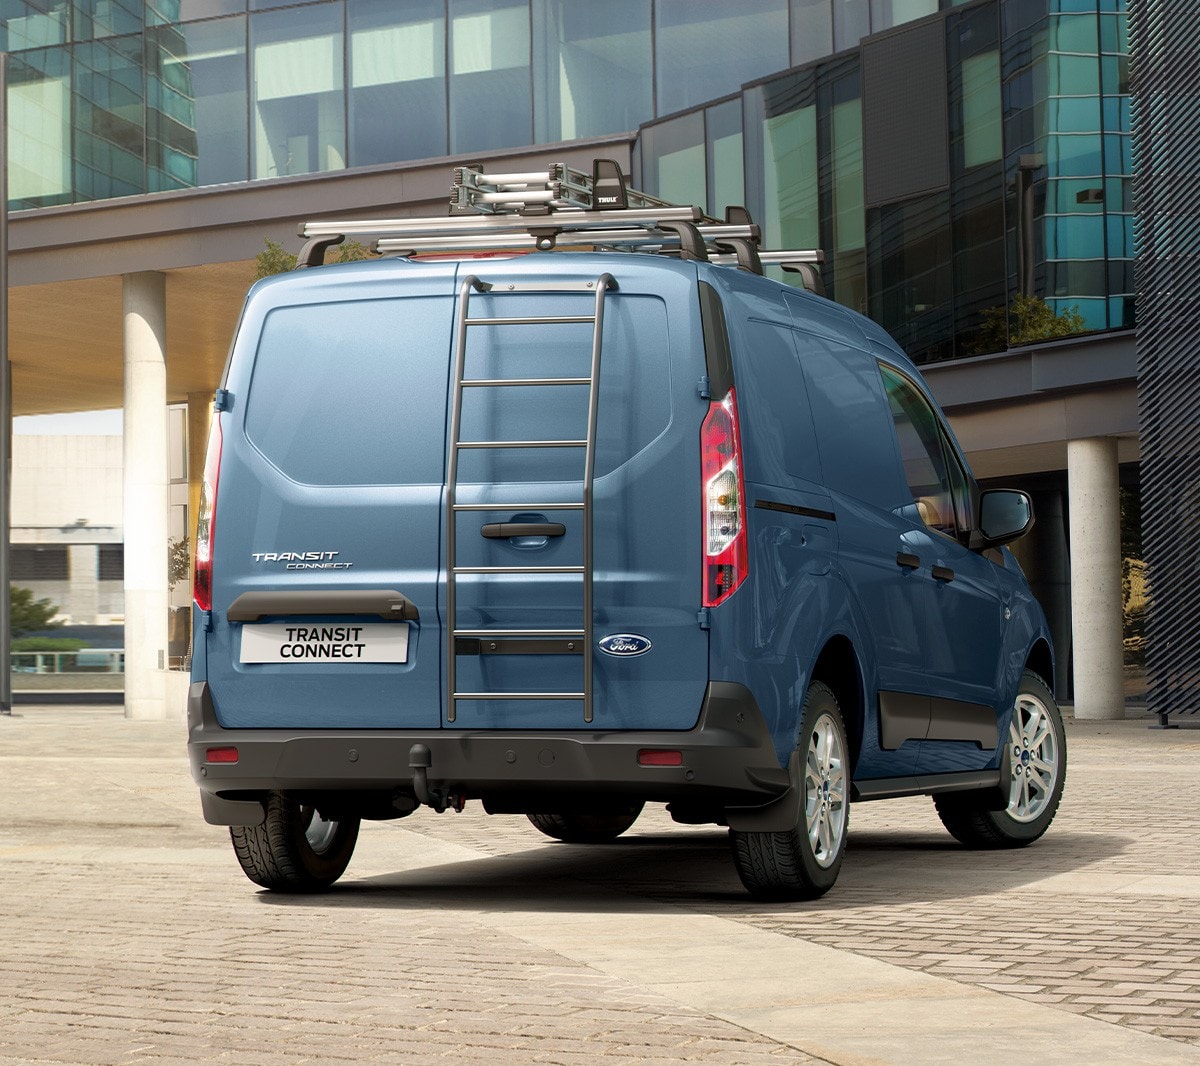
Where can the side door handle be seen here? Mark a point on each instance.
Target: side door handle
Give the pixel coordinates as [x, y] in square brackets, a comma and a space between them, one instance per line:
[942, 573]
[908, 561]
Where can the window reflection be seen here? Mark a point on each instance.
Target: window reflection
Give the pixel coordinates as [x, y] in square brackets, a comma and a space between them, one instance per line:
[397, 80]
[592, 66]
[39, 128]
[299, 117]
[490, 96]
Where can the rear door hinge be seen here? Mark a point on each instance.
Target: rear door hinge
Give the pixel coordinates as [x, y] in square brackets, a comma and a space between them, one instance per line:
[703, 618]
[221, 400]
[704, 387]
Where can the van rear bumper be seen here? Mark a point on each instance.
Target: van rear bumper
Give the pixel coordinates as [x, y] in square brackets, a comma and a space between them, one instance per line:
[728, 760]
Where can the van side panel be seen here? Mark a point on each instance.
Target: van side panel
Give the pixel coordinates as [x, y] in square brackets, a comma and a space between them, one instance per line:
[767, 635]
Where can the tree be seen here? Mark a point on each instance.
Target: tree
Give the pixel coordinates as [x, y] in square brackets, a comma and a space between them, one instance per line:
[1026, 320]
[275, 259]
[28, 615]
[179, 561]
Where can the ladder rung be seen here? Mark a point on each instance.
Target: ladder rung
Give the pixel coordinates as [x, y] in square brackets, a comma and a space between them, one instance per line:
[533, 320]
[521, 444]
[517, 570]
[518, 695]
[511, 382]
[518, 506]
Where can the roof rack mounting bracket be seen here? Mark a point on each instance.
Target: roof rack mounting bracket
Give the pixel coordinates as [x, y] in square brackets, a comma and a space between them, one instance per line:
[313, 252]
[691, 244]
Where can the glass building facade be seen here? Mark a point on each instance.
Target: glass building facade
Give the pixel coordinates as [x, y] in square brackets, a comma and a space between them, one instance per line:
[948, 157]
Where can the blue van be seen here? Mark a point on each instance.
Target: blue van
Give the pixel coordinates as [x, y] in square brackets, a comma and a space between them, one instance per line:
[573, 531]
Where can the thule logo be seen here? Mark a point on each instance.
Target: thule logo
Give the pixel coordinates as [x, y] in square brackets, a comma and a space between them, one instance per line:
[625, 645]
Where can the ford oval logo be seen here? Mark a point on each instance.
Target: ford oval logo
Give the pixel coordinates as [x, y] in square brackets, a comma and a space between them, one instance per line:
[625, 644]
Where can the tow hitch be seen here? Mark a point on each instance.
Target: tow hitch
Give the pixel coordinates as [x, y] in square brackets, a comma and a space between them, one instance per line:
[420, 759]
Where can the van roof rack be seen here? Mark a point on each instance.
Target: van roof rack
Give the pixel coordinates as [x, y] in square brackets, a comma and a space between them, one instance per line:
[563, 207]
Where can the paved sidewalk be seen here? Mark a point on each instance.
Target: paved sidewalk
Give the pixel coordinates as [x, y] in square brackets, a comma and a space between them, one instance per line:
[129, 935]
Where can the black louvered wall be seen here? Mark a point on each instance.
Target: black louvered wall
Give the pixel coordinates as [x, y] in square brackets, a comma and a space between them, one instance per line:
[1165, 59]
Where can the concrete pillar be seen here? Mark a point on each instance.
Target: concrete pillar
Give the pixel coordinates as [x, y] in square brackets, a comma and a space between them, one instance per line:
[147, 498]
[1094, 494]
[83, 570]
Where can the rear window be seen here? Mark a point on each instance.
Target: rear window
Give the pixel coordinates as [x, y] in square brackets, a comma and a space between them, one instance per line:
[353, 393]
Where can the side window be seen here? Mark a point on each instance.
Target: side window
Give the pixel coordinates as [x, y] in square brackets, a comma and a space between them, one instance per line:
[934, 475]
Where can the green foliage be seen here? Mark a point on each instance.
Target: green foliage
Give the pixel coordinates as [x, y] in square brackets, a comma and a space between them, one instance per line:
[48, 644]
[179, 561]
[275, 259]
[28, 615]
[1027, 320]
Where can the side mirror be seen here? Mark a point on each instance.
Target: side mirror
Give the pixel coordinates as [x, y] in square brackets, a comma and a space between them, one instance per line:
[1004, 515]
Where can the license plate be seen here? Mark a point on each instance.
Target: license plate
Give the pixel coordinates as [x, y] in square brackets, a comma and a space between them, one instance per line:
[312, 643]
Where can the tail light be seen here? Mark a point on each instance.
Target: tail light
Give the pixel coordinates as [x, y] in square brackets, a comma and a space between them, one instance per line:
[726, 558]
[206, 520]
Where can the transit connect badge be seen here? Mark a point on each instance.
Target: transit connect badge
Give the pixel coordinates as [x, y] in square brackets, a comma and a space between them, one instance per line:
[625, 644]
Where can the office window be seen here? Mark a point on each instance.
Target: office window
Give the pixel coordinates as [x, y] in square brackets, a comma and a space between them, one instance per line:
[592, 68]
[297, 98]
[397, 80]
[162, 12]
[706, 49]
[39, 128]
[111, 562]
[196, 112]
[490, 96]
[789, 160]
[851, 22]
[40, 562]
[888, 13]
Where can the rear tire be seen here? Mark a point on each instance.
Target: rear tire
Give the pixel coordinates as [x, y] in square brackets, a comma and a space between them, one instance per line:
[803, 862]
[1034, 768]
[600, 828]
[295, 849]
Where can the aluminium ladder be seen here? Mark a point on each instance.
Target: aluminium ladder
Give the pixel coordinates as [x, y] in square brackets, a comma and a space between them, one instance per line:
[527, 640]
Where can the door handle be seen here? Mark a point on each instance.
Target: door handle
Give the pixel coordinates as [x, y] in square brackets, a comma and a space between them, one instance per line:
[386, 603]
[942, 573]
[908, 561]
[505, 530]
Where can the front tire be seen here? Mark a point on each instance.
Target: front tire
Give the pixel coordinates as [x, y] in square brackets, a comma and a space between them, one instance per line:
[601, 828]
[295, 849]
[1034, 767]
[803, 862]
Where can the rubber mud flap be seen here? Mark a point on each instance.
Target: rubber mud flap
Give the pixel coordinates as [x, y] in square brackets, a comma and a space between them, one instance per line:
[780, 814]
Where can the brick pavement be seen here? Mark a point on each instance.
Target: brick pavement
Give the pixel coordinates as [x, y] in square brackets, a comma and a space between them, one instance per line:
[131, 936]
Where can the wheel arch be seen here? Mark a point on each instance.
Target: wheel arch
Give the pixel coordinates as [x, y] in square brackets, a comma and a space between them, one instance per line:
[837, 666]
[1040, 661]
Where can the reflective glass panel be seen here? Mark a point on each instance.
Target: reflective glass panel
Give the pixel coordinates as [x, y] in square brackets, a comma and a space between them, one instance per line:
[106, 18]
[851, 22]
[592, 68]
[888, 13]
[32, 24]
[297, 98]
[812, 30]
[705, 49]
[791, 217]
[397, 80]
[981, 129]
[160, 12]
[39, 128]
[196, 104]
[673, 160]
[109, 119]
[490, 95]
[726, 180]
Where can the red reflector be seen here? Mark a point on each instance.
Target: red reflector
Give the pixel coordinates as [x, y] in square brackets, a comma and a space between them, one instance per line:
[655, 757]
[221, 755]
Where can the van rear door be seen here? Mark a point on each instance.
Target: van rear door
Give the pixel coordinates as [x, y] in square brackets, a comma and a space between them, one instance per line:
[518, 585]
[329, 502]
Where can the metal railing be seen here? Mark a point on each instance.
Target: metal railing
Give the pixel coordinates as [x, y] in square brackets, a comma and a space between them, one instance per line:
[84, 661]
